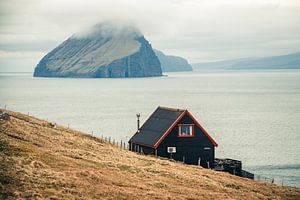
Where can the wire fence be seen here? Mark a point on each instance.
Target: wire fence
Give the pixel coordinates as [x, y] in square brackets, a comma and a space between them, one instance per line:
[274, 180]
[120, 144]
[262, 178]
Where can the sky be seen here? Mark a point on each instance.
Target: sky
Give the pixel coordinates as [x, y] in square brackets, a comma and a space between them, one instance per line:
[198, 30]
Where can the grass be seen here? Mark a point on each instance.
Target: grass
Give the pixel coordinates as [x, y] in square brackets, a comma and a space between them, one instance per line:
[39, 160]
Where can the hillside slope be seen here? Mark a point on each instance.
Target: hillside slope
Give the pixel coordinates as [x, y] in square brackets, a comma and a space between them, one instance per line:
[39, 160]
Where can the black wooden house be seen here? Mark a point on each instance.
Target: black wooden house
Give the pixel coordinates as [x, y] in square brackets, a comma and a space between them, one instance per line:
[176, 134]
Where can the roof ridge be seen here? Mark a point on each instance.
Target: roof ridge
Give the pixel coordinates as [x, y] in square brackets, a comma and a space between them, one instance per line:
[171, 109]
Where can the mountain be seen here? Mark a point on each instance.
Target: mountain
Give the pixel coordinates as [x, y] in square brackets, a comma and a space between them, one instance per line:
[107, 50]
[43, 160]
[224, 64]
[172, 63]
[290, 61]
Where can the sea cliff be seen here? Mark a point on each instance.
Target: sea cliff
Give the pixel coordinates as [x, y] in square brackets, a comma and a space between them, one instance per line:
[171, 63]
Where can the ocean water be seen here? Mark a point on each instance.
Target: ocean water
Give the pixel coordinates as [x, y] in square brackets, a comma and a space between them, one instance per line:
[253, 115]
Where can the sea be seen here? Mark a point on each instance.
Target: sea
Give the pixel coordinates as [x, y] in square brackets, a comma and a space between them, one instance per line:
[253, 115]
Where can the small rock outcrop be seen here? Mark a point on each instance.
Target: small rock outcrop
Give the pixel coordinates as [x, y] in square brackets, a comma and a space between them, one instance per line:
[108, 50]
[4, 116]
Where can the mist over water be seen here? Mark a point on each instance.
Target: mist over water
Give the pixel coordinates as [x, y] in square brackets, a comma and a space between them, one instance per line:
[254, 116]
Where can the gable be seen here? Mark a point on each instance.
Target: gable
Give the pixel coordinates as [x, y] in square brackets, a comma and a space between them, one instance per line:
[194, 142]
[190, 120]
[160, 124]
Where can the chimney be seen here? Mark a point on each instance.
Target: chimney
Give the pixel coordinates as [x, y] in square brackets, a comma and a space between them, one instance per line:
[138, 122]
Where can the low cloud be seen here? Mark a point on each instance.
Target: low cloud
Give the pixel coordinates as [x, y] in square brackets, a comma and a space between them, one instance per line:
[204, 30]
[108, 29]
[20, 54]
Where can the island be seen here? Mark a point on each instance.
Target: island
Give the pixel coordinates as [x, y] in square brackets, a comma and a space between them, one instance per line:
[107, 50]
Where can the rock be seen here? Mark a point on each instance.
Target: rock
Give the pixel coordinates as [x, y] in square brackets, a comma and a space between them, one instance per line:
[4, 116]
[108, 50]
[172, 63]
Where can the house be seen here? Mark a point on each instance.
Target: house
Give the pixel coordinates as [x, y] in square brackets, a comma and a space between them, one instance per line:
[175, 134]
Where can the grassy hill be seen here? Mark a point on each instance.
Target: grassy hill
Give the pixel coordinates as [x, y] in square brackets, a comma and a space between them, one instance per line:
[39, 160]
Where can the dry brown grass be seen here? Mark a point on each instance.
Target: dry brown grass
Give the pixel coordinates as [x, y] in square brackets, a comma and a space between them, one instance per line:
[38, 161]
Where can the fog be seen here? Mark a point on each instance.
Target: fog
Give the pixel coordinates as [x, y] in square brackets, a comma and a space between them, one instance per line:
[199, 30]
[114, 28]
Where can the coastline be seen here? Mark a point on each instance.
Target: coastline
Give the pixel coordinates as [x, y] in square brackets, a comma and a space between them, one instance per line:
[53, 161]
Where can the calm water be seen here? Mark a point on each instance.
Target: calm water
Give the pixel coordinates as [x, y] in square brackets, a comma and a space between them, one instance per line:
[254, 116]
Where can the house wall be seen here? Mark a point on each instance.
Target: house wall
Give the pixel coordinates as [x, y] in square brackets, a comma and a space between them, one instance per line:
[189, 149]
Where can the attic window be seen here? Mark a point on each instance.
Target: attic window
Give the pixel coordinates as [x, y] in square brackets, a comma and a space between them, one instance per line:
[185, 130]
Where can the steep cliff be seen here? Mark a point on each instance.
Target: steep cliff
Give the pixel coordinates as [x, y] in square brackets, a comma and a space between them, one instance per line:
[172, 63]
[106, 51]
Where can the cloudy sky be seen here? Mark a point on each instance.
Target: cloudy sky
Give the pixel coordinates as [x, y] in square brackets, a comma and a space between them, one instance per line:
[199, 30]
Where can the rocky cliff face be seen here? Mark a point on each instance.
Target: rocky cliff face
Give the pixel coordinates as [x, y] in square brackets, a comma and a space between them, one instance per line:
[106, 51]
[172, 63]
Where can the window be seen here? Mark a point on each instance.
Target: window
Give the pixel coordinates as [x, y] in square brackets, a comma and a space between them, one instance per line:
[185, 130]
